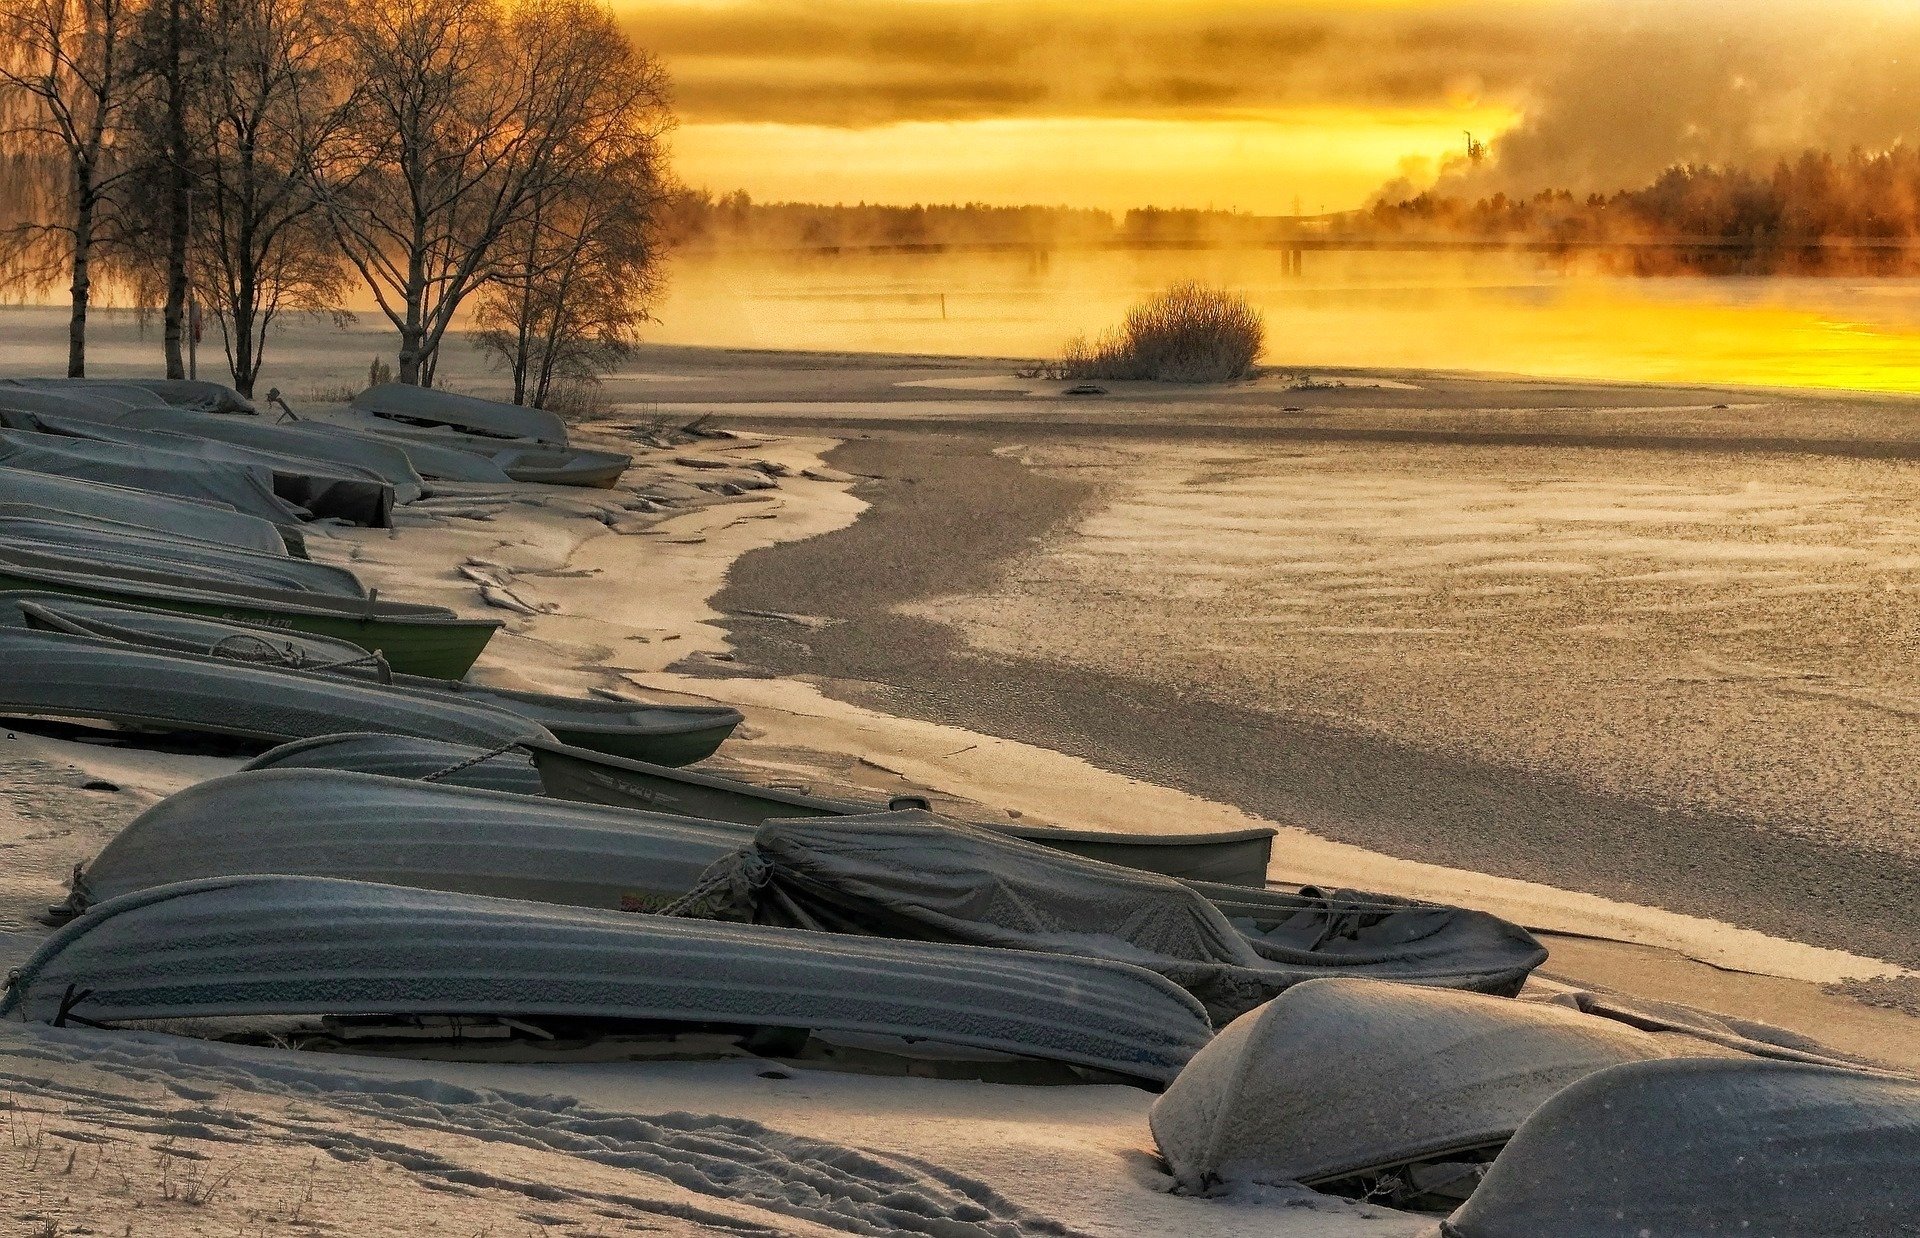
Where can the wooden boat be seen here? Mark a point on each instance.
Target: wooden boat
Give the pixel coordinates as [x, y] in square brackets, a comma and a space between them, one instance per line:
[309, 946]
[1234, 857]
[416, 640]
[663, 734]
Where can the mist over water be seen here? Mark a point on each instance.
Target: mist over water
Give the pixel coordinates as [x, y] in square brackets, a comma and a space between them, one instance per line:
[1504, 312]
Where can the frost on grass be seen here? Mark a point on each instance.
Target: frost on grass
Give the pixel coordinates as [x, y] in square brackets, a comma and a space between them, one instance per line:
[1188, 334]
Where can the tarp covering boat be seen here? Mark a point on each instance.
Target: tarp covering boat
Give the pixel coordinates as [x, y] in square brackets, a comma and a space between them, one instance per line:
[254, 946]
[1709, 1147]
[422, 640]
[243, 487]
[430, 460]
[187, 393]
[915, 875]
[400, 756]
[324, 489]
[381, 460]
[668, 734]
[1231, 856]
[18, 400]
[329, 823]
[155, 551]
[1339, 1077]
[405, 402]
[207, 521]
[53, 674]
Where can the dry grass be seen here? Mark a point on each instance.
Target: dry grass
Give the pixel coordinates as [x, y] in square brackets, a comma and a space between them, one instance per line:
[1188, 334]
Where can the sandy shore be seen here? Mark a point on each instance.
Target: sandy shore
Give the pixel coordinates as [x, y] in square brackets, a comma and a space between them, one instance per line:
[870, 667]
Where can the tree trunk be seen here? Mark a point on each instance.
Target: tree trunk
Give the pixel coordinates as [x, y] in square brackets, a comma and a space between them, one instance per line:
[82, 286]
[178, 201]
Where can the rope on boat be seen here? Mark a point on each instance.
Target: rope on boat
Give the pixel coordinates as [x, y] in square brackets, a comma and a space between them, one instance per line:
[734, 878]
[470, 762]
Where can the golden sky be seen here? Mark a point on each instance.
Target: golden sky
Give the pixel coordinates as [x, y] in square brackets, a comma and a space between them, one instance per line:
[1258, 106]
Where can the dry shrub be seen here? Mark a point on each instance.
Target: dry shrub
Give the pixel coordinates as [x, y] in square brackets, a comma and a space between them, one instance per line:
[1188, 334]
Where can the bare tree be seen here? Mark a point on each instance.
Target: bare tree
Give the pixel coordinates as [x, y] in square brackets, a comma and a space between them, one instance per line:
[578, 272]
[460, 117]
[67, 76]
[261, 119]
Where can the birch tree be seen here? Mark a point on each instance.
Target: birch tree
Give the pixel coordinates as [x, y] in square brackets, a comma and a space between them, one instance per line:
[67, 78]
[460, 121]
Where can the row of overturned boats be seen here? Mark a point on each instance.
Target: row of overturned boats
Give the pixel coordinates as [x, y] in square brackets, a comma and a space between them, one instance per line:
[412, 855]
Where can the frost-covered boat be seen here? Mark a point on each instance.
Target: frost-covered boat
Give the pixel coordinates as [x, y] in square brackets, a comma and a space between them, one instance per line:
[1237, 857]
[398, 756]
[362, 827]
[377, 459]
[667, 734]
[243, 487]
[419, 640]
[121, 549]
[423, 406]
[1709, 1146]
[218, 523]
[1350, 1078]
[1152, 853]
[911, 874]
[188, 393]
[53, 674]
[322, 489]
[434, 461]
[307, 946]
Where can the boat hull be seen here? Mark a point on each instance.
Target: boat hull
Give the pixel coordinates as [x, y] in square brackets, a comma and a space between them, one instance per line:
[1237, 857]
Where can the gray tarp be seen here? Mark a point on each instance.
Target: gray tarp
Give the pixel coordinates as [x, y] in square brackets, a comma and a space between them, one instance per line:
[328, 823]
[32, 401]
[399, 756]
[323, 488]
[430, 460]
[254, 946]
[203, 520]
[374, 459]
[180, 392]
[1339, 1077]
[915, 875]
[245, 488]
[181, 556]
[1709, 1147]
[57, 675]
[422, 405]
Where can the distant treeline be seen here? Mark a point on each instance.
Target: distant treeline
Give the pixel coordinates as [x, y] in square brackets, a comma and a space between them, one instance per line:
[698, 219]
[1815, 214]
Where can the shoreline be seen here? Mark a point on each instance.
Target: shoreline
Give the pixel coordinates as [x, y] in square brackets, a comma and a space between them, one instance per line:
[881, 652]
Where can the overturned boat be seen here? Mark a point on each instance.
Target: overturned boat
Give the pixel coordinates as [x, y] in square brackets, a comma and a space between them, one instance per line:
[525, 461]
[912, 874]
[328, 823]
[243, 487]
[201, 520]
[420, 640]
[398, 756]
[1237, 857]
[322, 489]
[667, 734]
[121, 549]
[1341, 1079]
[423, 406]
[55, 675]
[305, 946]
[189, 393]
[435, 461]
[1708, 1146]
[376, 459]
